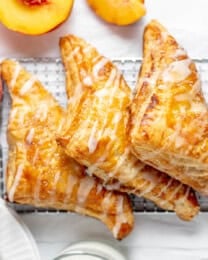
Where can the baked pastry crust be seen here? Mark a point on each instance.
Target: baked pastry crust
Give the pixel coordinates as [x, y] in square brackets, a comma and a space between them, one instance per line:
[39, 173]
[96, 130]
[169, 113]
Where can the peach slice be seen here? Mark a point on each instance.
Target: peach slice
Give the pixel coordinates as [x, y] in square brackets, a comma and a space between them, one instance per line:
[34, 17]
[120, 12]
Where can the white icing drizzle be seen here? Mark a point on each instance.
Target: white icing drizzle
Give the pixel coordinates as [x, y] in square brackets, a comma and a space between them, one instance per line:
[99, 66]
[190, 97]
[176, 133]
[77, 94]
[27, 85]
[177, 71]
[184, 198]
[42, 112]
[71, 182]
[175, 192]
[87, 49]
[117, 117]
[106, 130]
[99, 188]
[55, 182]
[150, 154]
[120, 218]
[16, 181]
[179, 141]
[85, 187]
[35, 156]
[187, 193]
[162, 87]
[94, 166]
[89, 171]
[102, 93]
[92, 142]
[114, 186]
[140, 111]
[13, 113]
[179, 52]
[165, 188]
[150, 81]
[151, 186]
[88, 81]
[56, 178]
[73, 53]
[30, 136]
[15, 75]
[119, 162]
[21, 116]
[152, 179]
[132, 171]
[106, 203]
[61, 123]
[112, 77]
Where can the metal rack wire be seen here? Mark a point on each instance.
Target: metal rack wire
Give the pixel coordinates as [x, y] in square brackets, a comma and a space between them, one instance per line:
[51, 74]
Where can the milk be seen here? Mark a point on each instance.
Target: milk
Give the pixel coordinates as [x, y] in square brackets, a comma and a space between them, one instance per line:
[91, 250]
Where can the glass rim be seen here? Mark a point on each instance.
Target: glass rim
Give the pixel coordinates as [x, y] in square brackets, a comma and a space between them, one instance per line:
[80, 253]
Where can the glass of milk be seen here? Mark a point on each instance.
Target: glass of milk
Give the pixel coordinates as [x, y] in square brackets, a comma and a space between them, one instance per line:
[90, 250]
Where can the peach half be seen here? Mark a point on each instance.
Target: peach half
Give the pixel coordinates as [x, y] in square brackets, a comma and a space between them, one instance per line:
[119, 12]
[34, 17]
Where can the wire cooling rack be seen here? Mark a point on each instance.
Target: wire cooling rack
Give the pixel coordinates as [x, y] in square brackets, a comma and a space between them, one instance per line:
[51, 73]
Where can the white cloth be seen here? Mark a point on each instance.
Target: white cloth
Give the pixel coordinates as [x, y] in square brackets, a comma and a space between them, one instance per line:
[155, 236]
[16, 242]
[186, 19]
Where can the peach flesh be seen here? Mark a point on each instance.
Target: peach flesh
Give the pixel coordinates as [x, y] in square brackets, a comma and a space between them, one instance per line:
[34, 17]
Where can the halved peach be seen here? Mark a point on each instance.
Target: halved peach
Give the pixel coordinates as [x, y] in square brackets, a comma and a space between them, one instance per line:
[120, 12]
[34, 17]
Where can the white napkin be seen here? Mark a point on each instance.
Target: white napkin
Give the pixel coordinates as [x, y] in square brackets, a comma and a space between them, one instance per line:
[16, 242]
[155, 236]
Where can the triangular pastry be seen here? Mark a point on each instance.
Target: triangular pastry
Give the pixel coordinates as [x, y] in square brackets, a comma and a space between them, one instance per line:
[96, 130]
[39, 173]
[169, 113]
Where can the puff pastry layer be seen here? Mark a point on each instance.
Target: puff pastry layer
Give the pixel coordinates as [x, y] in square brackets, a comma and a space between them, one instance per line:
[169, 113]
[96, 130]
[39, 173]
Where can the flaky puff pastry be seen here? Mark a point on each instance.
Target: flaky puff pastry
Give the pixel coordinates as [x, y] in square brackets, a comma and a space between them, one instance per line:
[39, 173]
[169, 113]
[96, 130]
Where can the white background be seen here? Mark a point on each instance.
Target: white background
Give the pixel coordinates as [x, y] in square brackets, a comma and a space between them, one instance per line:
[155, 236]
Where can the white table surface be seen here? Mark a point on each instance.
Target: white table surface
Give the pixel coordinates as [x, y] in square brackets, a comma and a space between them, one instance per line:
[155, 236]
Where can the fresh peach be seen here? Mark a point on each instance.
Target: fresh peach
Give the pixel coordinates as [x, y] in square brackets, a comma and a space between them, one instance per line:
[120, 12]
[34, 17]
